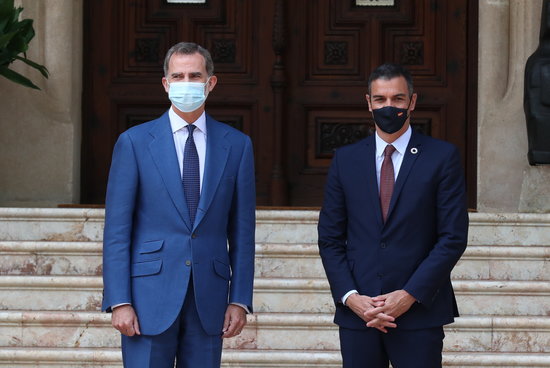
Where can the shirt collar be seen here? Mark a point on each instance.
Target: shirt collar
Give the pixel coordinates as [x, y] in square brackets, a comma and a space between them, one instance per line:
[177, 123]
[400, 143]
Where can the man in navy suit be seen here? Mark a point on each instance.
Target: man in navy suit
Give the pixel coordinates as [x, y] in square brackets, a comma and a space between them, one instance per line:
[391, 232]
[178, 252]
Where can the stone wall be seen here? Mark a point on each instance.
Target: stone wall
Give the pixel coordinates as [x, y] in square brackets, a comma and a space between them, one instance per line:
[40, 130]
[508, 35]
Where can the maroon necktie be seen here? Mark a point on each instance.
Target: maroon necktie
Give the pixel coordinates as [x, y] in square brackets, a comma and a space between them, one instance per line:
[387, 179]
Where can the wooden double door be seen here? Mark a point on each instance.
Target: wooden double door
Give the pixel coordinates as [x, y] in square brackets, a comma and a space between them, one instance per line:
[291, 74]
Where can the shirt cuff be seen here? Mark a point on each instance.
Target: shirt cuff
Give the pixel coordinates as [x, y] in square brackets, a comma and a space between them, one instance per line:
[243, 307]
[345, 297]
[118, 305]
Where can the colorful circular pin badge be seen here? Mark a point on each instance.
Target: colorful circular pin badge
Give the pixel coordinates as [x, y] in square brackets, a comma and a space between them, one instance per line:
[414, 150]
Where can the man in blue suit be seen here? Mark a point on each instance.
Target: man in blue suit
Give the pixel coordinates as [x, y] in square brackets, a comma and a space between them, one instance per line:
[178, 252]
[393, 225]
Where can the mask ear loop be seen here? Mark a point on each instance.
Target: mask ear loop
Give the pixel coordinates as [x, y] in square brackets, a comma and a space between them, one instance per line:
[372, 110]
[206, 91]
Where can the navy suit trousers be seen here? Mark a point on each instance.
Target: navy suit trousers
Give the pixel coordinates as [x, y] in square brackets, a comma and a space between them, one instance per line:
[371, 348]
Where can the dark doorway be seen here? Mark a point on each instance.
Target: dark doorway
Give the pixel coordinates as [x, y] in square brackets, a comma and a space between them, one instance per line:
[292, 75]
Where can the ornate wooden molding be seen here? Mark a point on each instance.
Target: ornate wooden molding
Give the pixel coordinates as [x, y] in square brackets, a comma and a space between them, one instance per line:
[279, 196]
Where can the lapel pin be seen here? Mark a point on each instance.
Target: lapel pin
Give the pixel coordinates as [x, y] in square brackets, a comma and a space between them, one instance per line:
[414, 150]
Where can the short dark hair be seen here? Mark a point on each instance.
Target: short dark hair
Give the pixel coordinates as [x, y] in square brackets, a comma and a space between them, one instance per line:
[389, 71]
[189, 48]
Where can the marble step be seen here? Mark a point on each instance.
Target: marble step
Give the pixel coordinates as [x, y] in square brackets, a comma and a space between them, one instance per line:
[272, 260]
[273, 226]
[305, 295]
[482, 262]
[43, 258]
[273, 331]
[111, 358]
[51, 224]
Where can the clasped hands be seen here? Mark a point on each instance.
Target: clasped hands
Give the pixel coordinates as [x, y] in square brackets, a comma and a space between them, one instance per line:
[380, 312]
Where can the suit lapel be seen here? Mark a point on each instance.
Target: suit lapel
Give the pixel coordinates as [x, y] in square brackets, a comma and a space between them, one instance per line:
[368, 176]
[414, 150]
[164, 155]
[217, 153]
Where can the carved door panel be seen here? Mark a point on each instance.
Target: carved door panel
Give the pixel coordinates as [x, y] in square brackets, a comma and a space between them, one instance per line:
[291, 74]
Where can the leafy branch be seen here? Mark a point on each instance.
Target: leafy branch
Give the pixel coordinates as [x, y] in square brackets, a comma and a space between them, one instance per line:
[15, 36]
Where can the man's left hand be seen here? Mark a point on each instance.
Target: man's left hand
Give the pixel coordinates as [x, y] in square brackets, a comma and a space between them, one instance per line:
[395, 304]
[235, 320]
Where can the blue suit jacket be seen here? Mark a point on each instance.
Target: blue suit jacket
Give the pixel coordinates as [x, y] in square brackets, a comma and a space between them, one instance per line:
[150, 247]
[423, 238]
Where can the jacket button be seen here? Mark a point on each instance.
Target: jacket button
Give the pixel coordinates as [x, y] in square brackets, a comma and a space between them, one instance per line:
[193, 235]
[383, 245]
[188, 263]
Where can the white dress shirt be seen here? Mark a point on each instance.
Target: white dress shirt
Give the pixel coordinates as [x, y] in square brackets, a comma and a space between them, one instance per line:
[180, 132]
[400, 145]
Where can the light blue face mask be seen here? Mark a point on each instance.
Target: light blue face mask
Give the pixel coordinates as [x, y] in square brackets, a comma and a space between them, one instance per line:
[187, 96]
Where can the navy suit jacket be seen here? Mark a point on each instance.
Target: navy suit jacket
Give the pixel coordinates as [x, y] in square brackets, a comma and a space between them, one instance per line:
[424, 235]
[150, 246]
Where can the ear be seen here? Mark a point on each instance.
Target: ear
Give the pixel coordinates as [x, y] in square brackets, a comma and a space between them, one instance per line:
[212, 83]
[413, 101]
[165, 84]
[367, 97]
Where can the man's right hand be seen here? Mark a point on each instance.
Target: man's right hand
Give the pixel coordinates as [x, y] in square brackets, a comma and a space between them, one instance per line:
[360, 304]
[124, 319]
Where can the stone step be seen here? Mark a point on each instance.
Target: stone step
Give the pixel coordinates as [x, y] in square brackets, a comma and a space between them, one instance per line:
[305, 295]
[111, 358]
[273, 226]
[51, 224]
[474, 297]
[511, 263]
[272, 260]
[274, 331]
[482, 262]
[42, 258]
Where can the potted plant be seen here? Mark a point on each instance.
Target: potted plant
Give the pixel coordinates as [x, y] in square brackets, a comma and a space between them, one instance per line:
[15, 36]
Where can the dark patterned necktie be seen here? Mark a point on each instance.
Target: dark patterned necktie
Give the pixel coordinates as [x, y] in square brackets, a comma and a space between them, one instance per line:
[191, 174]
[387, 179]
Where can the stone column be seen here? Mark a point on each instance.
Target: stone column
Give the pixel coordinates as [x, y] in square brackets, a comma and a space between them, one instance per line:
[508, 35]
[40, 130]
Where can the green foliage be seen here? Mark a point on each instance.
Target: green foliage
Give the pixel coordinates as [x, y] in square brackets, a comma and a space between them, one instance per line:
[15, 36]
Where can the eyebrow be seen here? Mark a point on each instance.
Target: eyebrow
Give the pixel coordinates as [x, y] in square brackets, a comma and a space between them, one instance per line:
[397, 95]
[191, 75]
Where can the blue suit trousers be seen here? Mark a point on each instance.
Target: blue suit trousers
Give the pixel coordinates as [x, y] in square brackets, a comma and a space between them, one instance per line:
[185, 342]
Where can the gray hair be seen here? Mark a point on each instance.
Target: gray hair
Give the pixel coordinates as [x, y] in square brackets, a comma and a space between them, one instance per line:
[189, 48]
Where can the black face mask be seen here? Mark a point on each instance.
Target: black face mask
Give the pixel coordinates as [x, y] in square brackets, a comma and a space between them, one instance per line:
[390, 119]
